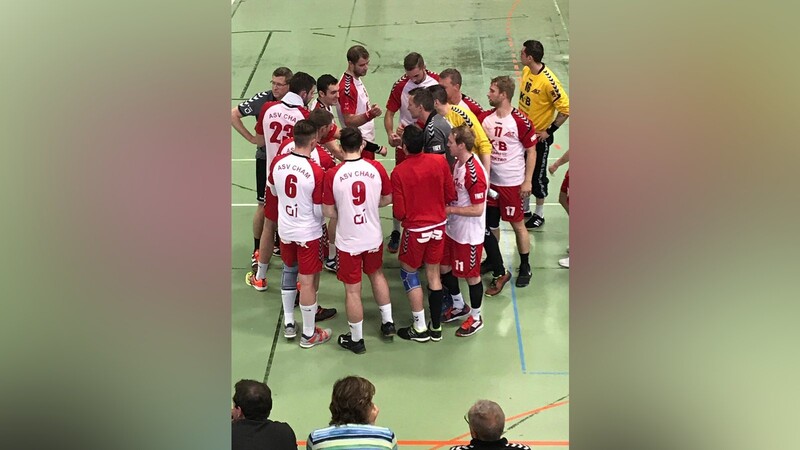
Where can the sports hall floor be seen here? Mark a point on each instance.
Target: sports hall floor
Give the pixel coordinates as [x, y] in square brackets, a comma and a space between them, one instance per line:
[521, 357]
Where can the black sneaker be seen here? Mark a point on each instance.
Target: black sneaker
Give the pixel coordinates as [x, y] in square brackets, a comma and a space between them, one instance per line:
[523, 276]
[410, 334]
[534, 222]
[394, 242]
[324, 313]
[527, 215]
[346, 341]
[387, 330]
[436, 335]
[485, 267]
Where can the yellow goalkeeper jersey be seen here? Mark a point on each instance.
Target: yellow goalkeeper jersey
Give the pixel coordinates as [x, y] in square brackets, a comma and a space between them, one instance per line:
[540, 95]
[458, 116]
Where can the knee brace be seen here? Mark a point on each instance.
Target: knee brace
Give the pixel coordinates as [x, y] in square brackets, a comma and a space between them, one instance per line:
[410, 280]
[289, 278]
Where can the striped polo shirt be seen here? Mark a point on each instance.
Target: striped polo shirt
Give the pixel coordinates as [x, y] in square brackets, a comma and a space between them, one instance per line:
[352, 436]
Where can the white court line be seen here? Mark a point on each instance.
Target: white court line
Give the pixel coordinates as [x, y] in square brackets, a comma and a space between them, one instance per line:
[563, 24]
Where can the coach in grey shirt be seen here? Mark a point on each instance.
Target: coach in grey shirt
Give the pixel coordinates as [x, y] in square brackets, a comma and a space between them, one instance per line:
[437, 129]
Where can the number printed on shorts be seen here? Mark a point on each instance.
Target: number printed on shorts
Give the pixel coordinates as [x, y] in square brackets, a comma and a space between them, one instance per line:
[359, 190]
[510, 210]
[459, 265]
[291, 186]
[277, 128]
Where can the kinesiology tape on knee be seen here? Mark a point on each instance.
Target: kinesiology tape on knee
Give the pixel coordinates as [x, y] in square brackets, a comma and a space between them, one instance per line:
[289, 278]
[410, 280]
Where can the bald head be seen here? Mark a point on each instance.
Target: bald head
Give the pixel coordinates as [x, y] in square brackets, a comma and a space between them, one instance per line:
[486, 420]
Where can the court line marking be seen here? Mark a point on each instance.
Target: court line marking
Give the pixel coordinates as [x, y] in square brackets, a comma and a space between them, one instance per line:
[480, 54]
[516, 62]
[560, 16]
[455, 440]
[255, 67]
[516, 319]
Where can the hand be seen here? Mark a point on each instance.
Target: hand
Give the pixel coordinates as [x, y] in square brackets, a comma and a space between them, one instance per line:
[252, 139]
[553, 167]
[525, 189]
[543, 135]
[383, 151]
[400, 129]
[395, 140]
[375, 111]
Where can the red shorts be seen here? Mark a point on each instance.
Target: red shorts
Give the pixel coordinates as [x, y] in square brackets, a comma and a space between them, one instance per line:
[465, 259]
[307, 255]
[509, 202]
[417, 247]
[271, 206]
[351, 266]
[565, 186]
[368, 155]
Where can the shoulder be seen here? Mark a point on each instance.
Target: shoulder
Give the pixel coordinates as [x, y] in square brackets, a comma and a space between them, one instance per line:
[400, 84]
[521, 119]
[432, 74]
[484, 115]
[347, 84]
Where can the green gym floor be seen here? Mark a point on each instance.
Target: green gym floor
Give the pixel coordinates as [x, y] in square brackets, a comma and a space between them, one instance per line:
[520, 358]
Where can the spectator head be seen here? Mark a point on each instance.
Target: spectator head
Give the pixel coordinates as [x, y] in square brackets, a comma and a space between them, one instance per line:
[486, 420]
[351, 401]
[253, 399]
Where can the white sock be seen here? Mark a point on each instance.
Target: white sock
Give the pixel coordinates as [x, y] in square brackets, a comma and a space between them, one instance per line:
[262, 270]
[539, 210]
[288, 305]
[309, 315]
[458, 301]
[419, 320]
[475, 313]
[386, 313]
[356, 330]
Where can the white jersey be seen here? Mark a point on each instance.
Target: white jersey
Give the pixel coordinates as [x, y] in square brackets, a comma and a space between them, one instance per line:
[510, 136]
[356, 188]
[398, 98]
[297, 182]
[319, 154]
[471, 189]
[353, 99]
[276, 123]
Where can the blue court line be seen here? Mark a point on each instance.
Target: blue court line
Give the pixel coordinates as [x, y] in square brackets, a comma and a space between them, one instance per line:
[516, 319]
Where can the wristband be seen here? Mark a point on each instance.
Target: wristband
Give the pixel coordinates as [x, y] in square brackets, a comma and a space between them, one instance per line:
[552, 129]
[372, 147]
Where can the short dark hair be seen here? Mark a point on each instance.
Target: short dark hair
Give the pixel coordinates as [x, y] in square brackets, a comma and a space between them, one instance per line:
[283, 72]
[534, 49]
[422, 97]
[254, 398]
[324, 81]
[351, 139]
[463, 135]
[351, 401]
[300, 82]
[487, 420]
[413, 139]
[453, 74]
[438, 92]
[505, 85]
[413, 60]
[304, 132]
[320, 118]
[357, 52]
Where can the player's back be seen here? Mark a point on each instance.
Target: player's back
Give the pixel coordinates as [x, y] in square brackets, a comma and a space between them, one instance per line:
[357, 187]
[425, 180]
[277, 120]
[298, 185]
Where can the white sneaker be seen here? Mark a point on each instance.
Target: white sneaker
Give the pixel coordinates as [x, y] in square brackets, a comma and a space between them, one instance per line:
[564, 262]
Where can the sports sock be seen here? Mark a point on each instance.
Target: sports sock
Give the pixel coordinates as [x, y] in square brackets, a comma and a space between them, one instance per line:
[309, 315]
[419, 320]
[458, 301]
[356, 330]
[539, 210]
[435, 303]
[262, 270]
[256, 243]
[386, 312]
[476, 296]
[523, 259]
[288, 305]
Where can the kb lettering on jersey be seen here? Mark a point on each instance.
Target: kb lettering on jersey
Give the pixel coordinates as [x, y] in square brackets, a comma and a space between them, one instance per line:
[436, 235]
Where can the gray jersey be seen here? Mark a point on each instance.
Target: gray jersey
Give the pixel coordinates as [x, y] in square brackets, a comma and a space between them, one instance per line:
[252, 107]
[437, 130]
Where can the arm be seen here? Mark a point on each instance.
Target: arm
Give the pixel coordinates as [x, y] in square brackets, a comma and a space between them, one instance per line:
[236, 122]
[385, 200]
[330, 211]
[398, 204]
[559, 162]
[450, 194]
[473, 210]
[388, 125]
[561, 102]
[530, 164]
[335, 149]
